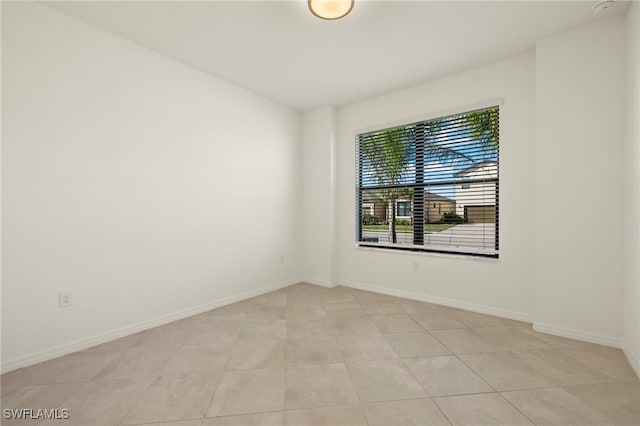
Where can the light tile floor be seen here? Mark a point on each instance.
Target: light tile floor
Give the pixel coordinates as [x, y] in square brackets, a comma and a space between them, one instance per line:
[307, 355]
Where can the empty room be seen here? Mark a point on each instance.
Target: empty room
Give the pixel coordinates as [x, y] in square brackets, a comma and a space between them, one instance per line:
[322, 212]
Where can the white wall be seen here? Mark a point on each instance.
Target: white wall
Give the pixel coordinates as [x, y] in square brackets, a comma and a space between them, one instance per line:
[318, 208]
[501, 286]
[146, 188]
[579, 199]
[632, 193]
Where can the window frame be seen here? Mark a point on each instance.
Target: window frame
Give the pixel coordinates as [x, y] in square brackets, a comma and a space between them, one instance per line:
[446, 250]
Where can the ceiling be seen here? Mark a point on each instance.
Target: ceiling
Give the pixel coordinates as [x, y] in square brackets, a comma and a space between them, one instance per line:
[280, 50]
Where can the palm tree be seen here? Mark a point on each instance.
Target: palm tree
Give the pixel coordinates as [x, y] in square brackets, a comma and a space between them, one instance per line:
[388, 154]
[485, 128]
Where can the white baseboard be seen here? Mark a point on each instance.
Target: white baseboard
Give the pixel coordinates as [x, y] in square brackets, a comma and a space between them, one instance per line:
[317, 281]
[572, 333]
[474, 307]
[87, 342]
[84, 343]
[633, 358]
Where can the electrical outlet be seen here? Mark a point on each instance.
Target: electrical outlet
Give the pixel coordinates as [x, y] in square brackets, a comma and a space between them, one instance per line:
[416, 266]
[282, 258]
[64, 299]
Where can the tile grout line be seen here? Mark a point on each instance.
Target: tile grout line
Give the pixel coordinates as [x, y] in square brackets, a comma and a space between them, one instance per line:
[121, 422]
[355, 391]
[224, 370]
[429, 396]
[416, 378]
[516, 408]
[474, 372]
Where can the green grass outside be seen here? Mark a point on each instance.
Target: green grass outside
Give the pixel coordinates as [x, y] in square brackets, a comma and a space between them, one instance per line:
[432, 227]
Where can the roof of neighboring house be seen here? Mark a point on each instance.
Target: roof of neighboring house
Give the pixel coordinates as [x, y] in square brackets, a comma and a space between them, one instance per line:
[428, 196]
[431, 196]
[479, 165]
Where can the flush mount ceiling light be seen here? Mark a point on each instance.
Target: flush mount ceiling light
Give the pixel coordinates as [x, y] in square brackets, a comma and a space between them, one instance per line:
[330, 9]
[603, 7]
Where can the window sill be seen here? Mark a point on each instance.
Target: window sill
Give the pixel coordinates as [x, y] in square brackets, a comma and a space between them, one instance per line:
[428, 253]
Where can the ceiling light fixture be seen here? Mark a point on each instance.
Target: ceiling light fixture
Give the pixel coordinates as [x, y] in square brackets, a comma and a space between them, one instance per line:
[603, 7]
[330, 9]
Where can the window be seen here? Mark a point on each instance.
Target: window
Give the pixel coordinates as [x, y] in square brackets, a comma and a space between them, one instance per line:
[450, 162]
[403, 208]
[367, 209]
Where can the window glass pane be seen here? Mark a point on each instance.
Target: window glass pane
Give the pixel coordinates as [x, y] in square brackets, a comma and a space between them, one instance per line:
[404, 208]
[431, 185]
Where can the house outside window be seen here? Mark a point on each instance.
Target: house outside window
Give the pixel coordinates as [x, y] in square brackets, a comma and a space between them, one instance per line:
[477, 203]
[368, 209]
